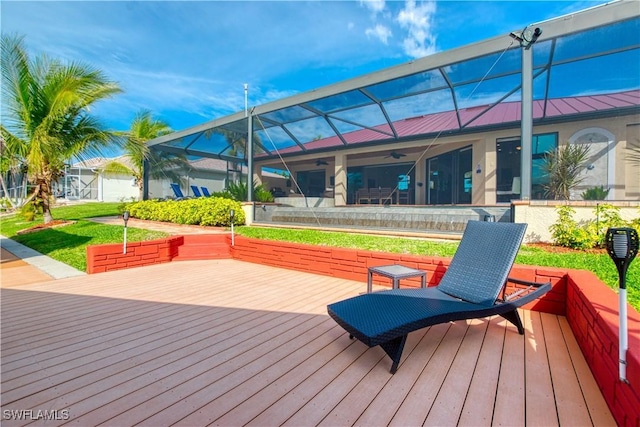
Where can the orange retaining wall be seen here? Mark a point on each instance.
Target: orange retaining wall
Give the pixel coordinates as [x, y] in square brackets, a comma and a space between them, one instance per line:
[590, 306]
[101, 258]
[353, 264]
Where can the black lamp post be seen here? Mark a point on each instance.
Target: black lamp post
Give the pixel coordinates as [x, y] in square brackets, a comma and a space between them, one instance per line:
[125, 217]
[232, 214]
[622, 246]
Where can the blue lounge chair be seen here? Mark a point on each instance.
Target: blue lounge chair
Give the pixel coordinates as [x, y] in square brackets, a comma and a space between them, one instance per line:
[196, 191]
[205, 192]
[472, 287]
[177, 191]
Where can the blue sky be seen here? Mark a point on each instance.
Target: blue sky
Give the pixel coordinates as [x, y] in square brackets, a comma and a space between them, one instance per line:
[187, 61]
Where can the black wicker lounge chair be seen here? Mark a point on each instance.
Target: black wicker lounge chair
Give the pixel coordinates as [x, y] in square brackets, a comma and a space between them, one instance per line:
[472, 287]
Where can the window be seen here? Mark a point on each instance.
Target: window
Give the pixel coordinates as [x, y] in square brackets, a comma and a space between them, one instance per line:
[509, 166]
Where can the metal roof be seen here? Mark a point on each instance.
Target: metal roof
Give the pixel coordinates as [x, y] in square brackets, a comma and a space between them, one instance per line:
[584, 65]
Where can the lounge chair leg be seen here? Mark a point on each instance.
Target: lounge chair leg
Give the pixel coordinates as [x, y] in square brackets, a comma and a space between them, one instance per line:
[394, 349]
[514, 317]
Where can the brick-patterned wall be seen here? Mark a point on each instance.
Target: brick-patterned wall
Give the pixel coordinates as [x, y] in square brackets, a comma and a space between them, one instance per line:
[592, 312]
[353, 264]
[101, 258]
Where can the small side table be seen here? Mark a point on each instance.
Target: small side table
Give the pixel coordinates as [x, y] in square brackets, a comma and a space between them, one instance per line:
[395, 272]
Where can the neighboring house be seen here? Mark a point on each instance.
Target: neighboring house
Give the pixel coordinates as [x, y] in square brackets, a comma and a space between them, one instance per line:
[86, 180]
[214, 174]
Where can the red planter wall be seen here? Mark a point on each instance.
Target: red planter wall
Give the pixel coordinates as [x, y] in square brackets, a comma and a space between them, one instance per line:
[592, 312]
[101, 258]
[353, 264]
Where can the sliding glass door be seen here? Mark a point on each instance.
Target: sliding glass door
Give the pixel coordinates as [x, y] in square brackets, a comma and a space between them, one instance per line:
[449, 178]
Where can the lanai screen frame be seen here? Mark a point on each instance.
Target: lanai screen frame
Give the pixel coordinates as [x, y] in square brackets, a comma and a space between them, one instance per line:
[343, 115]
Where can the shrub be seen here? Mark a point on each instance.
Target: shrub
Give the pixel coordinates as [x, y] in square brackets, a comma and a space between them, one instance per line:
[212, 211]
[28, 211]
[238, 191]
[567, 232]
[590, 234]
[564, 166]
[595, 193]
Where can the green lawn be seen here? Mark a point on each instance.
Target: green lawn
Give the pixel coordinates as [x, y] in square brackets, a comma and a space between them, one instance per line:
[68, 244]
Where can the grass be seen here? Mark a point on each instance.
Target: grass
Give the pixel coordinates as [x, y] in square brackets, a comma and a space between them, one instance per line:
[68, 244]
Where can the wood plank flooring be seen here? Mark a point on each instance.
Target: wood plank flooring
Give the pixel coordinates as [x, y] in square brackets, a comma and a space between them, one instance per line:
[223, 342]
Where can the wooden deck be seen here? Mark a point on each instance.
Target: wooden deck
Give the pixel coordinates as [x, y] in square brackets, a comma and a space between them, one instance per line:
[224, 342]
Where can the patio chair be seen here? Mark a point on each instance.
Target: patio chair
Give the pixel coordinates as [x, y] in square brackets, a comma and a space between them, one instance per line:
[196, 191]
[177, 191]
[205, 192]
[474, 286]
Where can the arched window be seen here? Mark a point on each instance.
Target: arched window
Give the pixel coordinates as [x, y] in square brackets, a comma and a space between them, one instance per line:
[600, 171]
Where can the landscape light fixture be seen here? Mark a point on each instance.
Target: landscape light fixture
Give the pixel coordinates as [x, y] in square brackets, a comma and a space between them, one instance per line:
[622, 246]
[527, 37]
[232, 214]
[125, 217]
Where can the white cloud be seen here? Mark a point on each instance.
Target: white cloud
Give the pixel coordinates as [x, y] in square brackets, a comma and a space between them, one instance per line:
[417, 20]
[375, 6]
[380, 32]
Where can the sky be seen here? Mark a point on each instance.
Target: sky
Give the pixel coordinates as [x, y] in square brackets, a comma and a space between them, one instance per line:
[188, 61]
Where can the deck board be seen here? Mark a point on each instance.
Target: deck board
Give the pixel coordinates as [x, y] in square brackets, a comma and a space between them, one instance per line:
[232, 343]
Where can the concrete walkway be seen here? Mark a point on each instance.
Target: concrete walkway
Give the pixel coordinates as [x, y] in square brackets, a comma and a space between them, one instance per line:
[22, 265]
[173, 229]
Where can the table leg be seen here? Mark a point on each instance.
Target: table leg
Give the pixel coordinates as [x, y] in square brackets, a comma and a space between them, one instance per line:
[423, 278]
[369, 282]
[396, 283]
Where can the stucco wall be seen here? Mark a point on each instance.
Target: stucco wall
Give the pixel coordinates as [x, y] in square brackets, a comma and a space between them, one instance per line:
[541, 215]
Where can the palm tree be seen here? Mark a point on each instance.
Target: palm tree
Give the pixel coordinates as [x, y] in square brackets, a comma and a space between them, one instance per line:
[46, 118]
[564, 166]
[161, 164]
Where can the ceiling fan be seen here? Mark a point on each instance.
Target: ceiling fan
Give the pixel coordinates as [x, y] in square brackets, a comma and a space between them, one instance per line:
[395, 155]
[321, 163]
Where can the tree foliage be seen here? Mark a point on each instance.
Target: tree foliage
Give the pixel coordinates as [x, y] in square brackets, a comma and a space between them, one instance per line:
[564, 166]
[46, 116]
[161, 164]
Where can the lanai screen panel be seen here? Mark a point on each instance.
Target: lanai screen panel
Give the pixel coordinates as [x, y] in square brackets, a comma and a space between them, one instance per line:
[477, 86]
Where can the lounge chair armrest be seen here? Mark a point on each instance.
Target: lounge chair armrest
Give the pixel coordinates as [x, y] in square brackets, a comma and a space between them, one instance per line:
[519, 292]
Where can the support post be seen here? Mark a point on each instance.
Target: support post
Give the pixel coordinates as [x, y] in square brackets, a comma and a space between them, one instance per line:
[526, 124]
[250, 158]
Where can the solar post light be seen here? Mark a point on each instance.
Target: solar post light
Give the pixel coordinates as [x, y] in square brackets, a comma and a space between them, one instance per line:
[232, 214]
[622, 246]
[125, 217]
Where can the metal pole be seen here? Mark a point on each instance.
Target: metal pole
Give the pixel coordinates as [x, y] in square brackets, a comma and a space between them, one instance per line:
[623, 346]
[246, 100]
[233, 236]
[231, 217]
[250, 158]
[125, 218]
[526, 124]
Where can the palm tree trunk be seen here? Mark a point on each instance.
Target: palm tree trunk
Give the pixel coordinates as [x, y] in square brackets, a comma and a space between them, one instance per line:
[43, 195]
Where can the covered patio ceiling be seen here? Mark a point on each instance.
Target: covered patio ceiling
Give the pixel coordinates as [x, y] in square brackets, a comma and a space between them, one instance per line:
[584, 65]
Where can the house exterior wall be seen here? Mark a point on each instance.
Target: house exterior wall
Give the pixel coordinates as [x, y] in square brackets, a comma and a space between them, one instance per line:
[613, 167]
[115, 188]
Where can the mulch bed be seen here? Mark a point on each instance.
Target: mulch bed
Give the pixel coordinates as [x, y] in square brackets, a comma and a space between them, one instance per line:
[53, 224]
